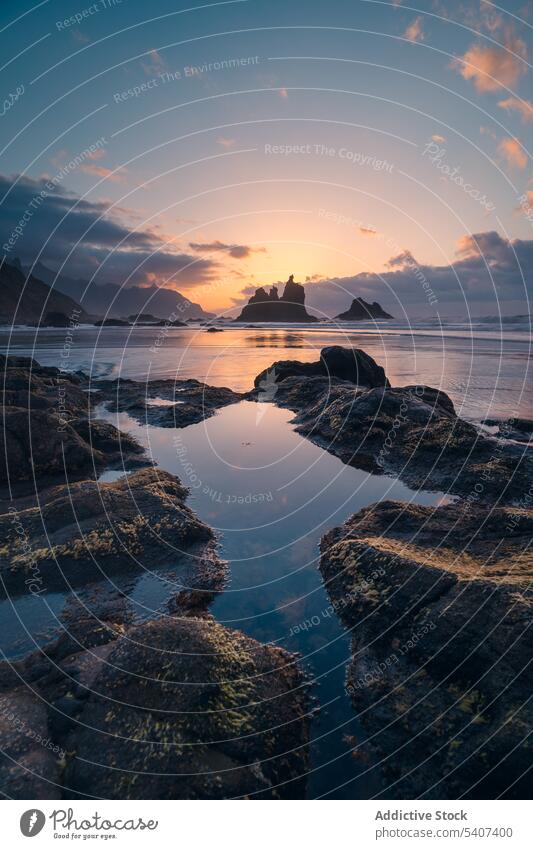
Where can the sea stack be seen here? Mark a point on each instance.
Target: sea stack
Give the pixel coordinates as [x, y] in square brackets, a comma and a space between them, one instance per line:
[360, 310]
[268, 306]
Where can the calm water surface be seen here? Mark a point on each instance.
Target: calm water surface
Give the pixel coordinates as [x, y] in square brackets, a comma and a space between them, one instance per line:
[484, 367]
[269, 493]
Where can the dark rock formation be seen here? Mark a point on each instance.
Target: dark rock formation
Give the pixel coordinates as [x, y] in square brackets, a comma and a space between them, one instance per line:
[214, 330]
[360, 310]
[412, 432]
[175, 708]
[349, 364]
[112, 322]
[439, 604]
[115, 707]
[518, 429]
[27, 300]
[143, 318]
[192, 401]
[46, 430]
[268, 306]
[83, 532]
[148, 320]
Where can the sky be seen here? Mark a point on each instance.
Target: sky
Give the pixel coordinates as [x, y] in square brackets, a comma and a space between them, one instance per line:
[374, 149]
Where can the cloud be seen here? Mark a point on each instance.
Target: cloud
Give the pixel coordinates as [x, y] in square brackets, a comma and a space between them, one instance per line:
[438, 138]
[402, 260]
[235, 251]
[523, 107]
[493, 68]
[99, 240]
[227, 143]
[512, 151]
[368, 231]
[489, 272]
[107, 173]
[415, 30]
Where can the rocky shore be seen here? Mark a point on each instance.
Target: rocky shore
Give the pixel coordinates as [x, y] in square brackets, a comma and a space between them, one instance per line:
[184, 402]
[178, 706]
[438, 599]
[345, 404]
[47, 430]
[117, 707]
[173, 708]
[439, 605]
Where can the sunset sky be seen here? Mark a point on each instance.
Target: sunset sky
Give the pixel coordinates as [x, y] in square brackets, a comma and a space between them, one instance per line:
[362, 146]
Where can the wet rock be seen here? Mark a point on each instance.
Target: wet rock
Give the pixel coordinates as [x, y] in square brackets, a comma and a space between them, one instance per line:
[29, 756]
[521, 430]
[84, 532]
[189, 709]
[46, 427]
[439, 605]
[179, 707]
[412, 432]
[192, 401]
[350, 364]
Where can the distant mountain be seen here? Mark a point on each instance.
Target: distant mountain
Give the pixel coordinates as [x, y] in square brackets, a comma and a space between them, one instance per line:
[268, 306]
[360, 310]
[112, 301]
[30, 301]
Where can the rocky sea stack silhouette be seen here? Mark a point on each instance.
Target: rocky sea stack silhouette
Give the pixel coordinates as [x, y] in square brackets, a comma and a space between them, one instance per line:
[268, 306]
[360, 310]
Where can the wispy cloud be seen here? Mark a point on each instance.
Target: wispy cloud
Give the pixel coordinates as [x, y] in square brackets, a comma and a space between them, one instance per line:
[99, 171]
[227, 143]
[235, 251]
[518, 104]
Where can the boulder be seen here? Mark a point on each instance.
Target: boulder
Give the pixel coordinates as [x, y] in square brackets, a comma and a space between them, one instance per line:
[192, 401]
[438, 601]
[84, 532]
[174, 708]
[351, 364]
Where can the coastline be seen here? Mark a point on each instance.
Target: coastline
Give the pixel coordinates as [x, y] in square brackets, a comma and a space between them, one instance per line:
[192, 603]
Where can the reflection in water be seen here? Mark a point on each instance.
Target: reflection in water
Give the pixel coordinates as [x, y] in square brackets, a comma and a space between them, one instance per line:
[280, 339]
[483, 369]
[270, 495]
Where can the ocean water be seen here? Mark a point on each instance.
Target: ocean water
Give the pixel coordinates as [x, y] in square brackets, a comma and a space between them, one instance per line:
[484, 365]
[270, 494]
